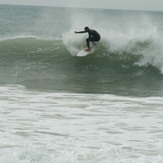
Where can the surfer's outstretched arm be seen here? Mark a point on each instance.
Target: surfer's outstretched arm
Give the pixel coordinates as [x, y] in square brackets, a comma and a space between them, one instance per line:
[80, 32]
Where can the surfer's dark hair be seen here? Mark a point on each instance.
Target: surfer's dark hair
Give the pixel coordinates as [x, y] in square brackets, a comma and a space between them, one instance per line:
[86, 28]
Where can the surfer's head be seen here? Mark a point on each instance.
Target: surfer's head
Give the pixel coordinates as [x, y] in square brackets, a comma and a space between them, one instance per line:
[86, 29]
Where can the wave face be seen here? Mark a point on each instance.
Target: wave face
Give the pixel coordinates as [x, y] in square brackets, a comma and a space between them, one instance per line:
[39, 50]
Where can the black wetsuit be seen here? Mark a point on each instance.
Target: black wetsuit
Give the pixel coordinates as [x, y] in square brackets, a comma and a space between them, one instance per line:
[93, 36]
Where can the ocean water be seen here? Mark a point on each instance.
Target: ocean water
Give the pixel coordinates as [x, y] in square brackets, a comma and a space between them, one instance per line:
[103, 108]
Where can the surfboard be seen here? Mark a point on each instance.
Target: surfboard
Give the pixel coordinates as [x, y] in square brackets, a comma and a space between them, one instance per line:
[83, 53]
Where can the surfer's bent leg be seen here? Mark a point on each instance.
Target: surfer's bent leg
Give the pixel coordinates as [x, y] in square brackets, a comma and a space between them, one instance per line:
[88, 41]
[94, 39]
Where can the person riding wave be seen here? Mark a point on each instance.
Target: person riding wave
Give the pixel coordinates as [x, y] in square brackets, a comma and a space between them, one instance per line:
[92, 36]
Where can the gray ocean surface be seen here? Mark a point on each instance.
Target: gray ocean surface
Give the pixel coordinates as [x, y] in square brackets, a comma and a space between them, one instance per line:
[106, 107]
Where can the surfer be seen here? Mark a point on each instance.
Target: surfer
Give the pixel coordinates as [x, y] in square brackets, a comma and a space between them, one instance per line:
[93, 36]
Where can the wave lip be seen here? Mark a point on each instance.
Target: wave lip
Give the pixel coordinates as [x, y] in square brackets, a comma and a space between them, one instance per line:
[28, 45]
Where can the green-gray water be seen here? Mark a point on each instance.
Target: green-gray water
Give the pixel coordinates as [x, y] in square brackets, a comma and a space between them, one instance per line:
[102, 108]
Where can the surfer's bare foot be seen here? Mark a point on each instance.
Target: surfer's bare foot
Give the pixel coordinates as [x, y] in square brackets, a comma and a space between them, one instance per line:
[88, 49]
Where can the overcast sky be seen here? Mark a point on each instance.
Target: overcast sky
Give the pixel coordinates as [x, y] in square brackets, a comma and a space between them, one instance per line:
[110, 4]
